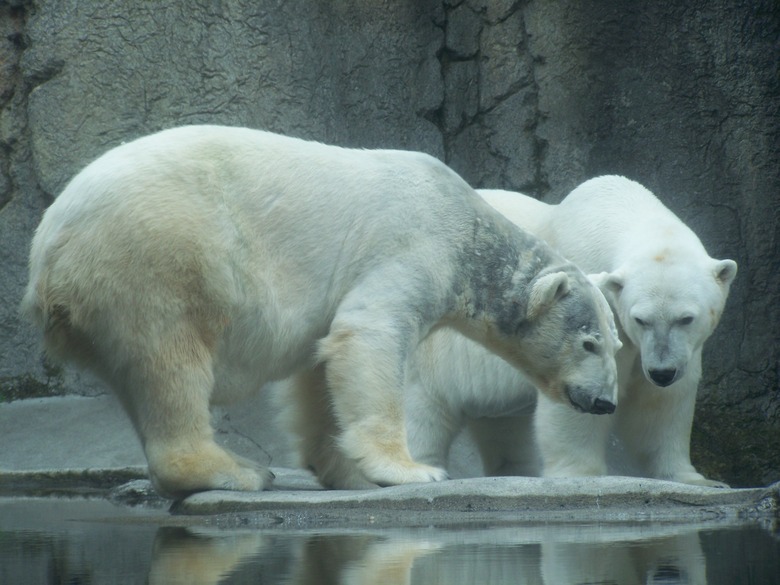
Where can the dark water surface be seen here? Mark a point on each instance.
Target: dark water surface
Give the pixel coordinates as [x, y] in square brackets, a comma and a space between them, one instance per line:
[51, 541]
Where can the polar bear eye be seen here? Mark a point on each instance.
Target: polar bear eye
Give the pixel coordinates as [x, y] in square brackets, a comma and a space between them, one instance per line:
[640, 322]
[685, 321]
[589, 346]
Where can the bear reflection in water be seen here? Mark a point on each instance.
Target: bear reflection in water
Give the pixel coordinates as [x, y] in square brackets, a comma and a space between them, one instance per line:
[494, 556]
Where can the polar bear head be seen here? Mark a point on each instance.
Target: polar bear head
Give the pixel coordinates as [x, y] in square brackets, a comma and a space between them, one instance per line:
[668, 307]
[567, 340]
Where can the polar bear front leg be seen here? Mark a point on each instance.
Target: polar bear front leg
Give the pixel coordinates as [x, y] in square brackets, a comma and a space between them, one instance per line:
[167, 398]
[365, 375]
[656, 430]
[309, 412]
[571, 444]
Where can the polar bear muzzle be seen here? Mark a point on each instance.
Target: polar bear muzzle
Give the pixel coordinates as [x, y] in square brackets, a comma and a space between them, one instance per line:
[582, 400]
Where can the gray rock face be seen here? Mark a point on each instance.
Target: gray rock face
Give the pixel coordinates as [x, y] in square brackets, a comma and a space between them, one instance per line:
[535, 96]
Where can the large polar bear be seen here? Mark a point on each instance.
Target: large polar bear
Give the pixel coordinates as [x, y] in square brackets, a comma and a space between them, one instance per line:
[667, 294]
[191, 266]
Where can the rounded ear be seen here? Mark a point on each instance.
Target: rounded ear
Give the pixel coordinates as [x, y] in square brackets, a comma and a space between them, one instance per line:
[611, 283]
[725, 271]
[608, 285]
[545, 291]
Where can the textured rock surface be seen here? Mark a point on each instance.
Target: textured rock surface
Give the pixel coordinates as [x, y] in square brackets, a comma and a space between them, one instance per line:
[533, 96]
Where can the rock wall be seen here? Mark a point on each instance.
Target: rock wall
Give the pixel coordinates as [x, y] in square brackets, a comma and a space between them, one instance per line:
[534, 96]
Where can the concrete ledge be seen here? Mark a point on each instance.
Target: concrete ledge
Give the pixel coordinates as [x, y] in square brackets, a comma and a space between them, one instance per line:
[297, 501]
[506, 499]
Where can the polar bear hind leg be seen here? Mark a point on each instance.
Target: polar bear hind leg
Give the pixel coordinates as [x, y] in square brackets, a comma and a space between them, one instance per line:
[166, 392]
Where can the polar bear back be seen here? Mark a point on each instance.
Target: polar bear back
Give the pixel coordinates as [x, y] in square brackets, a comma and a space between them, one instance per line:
[202, 170]
[526, 212]
[610, 221]
[212, 211]
[230, 191]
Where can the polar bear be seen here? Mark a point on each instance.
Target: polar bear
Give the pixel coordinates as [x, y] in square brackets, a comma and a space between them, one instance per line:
[192, 266]
[667, 294]
[453, 382]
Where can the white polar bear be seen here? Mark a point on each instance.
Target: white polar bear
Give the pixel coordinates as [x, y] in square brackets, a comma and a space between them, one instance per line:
[453, 382]
[667, 294]
[194, 265]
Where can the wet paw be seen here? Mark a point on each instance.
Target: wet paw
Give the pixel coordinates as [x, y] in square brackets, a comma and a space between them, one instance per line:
[177, 473]
[398, 474]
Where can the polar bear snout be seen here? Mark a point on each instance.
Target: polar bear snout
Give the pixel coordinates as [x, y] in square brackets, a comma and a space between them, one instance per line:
[601, 406]
[583, 400]
[663, 377]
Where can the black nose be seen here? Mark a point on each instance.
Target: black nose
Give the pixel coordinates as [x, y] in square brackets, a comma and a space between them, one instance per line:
[663, 377]
[601, 406]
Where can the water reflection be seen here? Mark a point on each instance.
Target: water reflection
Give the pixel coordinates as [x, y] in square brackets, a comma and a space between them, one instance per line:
[44, 543]
[673, 559]
[357, 559]
[191, 557]
[195, 556]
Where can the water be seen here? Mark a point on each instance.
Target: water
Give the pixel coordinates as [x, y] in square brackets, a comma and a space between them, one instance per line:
[79, 542]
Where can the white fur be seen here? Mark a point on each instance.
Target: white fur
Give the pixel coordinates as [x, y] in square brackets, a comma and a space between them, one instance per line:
[655, 271]
[194, 265]
[454, 382]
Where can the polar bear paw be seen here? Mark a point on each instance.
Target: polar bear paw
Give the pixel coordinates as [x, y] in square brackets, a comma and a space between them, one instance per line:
[387, 461]
[341, 472]
[178, 472]
[388, 472]
[334, 471]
